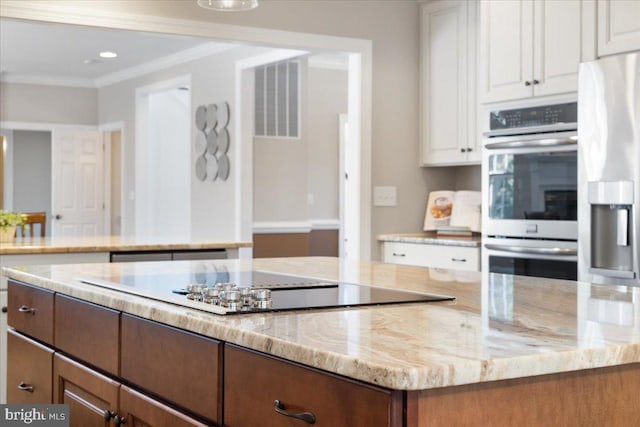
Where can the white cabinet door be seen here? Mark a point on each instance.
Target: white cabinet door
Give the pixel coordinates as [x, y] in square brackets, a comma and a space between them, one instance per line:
[506, 49]
[564, 36]
[448, 73]
[618, 26]
[534, 48]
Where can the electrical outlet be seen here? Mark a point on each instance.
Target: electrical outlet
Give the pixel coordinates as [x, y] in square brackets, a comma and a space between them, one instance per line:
[384, 196]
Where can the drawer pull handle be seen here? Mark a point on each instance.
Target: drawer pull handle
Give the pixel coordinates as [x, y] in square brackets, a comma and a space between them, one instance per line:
[397, 254]
[459, 259]
[25, 309]
[25, 387]
[307, 417]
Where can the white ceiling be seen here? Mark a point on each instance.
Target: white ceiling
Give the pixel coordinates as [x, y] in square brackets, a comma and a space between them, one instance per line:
[56, 54]
[50, 53]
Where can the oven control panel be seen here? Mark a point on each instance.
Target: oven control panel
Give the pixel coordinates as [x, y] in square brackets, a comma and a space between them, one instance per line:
[534, 116]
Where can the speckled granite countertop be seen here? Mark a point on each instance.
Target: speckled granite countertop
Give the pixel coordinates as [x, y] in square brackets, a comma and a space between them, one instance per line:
[39, 245]
[499, 327]
[430, 238]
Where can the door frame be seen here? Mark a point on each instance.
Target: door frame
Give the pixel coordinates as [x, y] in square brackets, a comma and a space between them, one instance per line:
[360, 80]
[118, 126]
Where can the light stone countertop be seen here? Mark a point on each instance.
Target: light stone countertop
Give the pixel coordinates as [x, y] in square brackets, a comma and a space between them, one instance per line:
[431, 238]
[499, 326]
[43, 245]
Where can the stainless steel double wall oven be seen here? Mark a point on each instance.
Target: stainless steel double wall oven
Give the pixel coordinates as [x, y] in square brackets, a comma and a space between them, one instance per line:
[530, 187]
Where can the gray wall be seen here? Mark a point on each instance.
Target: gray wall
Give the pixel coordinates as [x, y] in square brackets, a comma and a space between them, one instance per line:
[32, 172]
[286, 171]
[327, 98]
[48, 104]
[213, 204]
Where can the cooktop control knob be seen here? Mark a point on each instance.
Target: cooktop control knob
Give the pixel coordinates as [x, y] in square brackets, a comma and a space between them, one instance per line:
[231, 296]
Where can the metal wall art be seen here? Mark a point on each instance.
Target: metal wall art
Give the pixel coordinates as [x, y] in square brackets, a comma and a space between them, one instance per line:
[212, 142]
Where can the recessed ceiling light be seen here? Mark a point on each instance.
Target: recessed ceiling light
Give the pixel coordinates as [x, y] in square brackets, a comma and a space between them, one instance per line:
[107, 54]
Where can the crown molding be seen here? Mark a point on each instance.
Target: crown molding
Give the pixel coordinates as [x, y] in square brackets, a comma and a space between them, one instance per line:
[163, 63]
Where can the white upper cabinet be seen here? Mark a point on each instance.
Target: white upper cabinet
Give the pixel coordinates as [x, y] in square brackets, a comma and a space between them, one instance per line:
[533, 48]
[618, 26]
[448, 39]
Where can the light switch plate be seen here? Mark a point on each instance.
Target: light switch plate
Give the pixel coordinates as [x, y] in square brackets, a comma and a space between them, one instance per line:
[384, 196]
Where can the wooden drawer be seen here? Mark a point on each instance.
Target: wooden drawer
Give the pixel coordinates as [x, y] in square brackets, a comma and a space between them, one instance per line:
[30, 369]
[140, 410]
[182, 367]
[436, 256]
[30, 311]
[88, 332]
[254, 381]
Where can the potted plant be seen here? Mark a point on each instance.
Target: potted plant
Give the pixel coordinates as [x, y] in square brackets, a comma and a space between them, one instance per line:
[8, 223]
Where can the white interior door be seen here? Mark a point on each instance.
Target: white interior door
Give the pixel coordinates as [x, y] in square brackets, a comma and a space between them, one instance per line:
[78, 187]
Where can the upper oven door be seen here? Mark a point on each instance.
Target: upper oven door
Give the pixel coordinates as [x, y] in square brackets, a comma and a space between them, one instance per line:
[530, 185]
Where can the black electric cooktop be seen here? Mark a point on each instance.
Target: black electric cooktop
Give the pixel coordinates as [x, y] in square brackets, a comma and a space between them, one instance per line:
[198, 290]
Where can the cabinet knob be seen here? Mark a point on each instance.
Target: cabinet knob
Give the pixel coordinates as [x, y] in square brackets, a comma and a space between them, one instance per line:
[109, 414]
[25, 387]
[117, 421]
[4, 309]
[463, 150]
[307, 417]
[27, 310]
[527, 83]
[469, 149]
[536, 82]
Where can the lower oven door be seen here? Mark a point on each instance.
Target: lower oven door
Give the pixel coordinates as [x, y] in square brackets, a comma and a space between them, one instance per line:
[535, 258]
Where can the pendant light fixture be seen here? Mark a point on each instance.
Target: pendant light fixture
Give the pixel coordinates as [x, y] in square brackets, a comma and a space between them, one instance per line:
[228, 5]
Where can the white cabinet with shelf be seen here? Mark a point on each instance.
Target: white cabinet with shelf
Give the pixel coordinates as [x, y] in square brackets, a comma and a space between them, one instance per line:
[618, 26]
[449, 132]
[533, 48]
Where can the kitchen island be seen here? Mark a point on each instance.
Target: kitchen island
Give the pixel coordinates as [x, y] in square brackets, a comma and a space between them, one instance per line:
[509, 350]
[76, 250]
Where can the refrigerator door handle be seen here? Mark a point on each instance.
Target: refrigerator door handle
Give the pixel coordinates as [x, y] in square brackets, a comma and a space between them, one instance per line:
[623, 227]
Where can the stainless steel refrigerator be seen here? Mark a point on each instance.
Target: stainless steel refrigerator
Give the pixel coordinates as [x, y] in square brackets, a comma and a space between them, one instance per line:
[609, 170]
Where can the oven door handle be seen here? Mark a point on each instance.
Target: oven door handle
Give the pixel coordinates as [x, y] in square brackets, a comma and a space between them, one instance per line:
[532, 251]
[532, 143]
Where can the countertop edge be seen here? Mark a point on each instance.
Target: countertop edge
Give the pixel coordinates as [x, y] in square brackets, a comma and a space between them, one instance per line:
[38, 249]
[455, 373]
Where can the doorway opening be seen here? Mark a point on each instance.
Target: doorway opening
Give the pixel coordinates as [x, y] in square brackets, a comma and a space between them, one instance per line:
[163, 160]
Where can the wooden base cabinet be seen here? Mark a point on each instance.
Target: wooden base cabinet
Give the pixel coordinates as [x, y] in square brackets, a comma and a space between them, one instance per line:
[97, 400]
[30, 369]
[261, 390]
